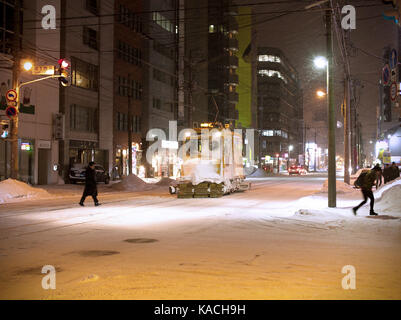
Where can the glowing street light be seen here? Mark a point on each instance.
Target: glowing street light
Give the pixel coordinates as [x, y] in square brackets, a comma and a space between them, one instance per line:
[28, 65]
[320, 62]
[320, 93]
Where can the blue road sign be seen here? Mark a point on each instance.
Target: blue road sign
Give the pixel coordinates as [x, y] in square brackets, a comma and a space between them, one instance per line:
[386, 75]
[11, 112]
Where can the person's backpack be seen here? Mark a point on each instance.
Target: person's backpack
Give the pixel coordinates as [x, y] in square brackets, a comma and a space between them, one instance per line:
[359, 181]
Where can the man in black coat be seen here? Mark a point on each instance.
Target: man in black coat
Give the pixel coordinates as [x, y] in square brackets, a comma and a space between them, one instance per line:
[395, 171]
[90, 185]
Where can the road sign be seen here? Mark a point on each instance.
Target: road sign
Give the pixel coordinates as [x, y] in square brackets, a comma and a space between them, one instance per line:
[11, 95]
[393, 91]
[43, 70]
[12, 104]
[11, 112]
[386, 75]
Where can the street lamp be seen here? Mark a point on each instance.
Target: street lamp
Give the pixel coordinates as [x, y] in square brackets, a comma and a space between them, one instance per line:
[320, 62]
[320, 93]
[27, 65]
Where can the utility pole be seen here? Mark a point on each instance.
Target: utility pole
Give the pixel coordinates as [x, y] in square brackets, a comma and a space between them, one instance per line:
[346, 114]
[315, 161]
[16, 71]
[181, 67]
[129, 126]
[332, 201]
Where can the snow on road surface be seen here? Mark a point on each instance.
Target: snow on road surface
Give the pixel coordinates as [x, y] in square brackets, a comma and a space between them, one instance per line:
[277, 241]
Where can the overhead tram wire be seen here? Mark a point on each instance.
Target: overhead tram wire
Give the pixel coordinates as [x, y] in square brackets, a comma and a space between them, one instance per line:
[251, 14]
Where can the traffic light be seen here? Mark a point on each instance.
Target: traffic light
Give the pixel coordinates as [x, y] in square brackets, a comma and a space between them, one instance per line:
[63, 72]
[4, 129]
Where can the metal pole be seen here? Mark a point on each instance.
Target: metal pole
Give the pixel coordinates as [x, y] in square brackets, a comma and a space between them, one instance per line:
[315, 160]
[181, 55]
[346, 111]
[15, 120]
[129, 127]
[331, 112]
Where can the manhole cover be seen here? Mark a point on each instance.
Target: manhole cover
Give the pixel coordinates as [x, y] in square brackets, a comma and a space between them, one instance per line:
[96, 253]
[141, 240]
[33, 271]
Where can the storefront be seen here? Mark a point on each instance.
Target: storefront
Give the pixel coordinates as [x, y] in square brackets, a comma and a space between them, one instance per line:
[122, 161]
[26, 160]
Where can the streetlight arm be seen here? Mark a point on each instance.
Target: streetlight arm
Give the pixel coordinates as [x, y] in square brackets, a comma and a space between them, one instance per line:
[37, 80]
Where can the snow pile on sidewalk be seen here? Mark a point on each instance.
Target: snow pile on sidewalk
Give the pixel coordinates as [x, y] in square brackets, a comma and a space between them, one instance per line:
[341, 187]
[11, 190]
[388, 197]
[165, 182]
[132, 183]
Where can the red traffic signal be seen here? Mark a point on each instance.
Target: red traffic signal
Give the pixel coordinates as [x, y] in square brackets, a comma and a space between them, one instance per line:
[63, 63]
[64, 77]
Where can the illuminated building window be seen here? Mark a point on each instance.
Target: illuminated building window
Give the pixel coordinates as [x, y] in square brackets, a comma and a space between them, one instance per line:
[272, 73]
[212, 29]
[269, 58]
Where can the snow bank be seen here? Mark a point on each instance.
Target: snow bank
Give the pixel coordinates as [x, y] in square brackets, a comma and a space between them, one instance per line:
[388, 197]
[132, 183]
[341, 187]
[12, 190]
[165, 182]
[258, 173]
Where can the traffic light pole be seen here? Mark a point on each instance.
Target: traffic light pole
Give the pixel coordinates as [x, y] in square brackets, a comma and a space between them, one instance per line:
[15, 120]
[16, 66]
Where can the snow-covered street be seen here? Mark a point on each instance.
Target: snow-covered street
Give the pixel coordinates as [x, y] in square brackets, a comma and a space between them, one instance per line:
[276, 241]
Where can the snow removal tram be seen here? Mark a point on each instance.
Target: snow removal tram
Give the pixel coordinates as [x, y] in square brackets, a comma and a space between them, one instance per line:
[212, 163]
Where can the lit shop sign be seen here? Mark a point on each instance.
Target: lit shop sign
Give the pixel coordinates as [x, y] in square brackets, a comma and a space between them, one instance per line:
[26, 146]
[169, 144]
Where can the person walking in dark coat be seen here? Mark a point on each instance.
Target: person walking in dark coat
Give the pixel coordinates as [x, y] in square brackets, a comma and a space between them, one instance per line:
[387, 173]
[395, 171]
[366, 188]
[90, 185]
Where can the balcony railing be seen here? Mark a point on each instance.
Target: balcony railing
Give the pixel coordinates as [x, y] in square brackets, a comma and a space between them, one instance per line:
[231, 43]
[232, 79]
[232, 61]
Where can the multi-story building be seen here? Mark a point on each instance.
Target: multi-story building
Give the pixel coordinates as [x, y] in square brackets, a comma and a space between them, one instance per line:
[84, 36]
[39, 102]
[128, 85]
[86, 39]
[280, 110]
[160, 77]
[211, 62]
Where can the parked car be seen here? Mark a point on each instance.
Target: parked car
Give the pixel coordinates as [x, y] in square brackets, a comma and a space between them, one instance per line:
[77, 174]
[296, 170]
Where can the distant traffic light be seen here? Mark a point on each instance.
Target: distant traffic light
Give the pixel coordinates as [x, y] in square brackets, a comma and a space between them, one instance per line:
[4, 130]
[63, 66]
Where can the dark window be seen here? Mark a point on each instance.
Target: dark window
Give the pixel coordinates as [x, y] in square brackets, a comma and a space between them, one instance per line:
[90, 38]
[83, 118]
[92, 6]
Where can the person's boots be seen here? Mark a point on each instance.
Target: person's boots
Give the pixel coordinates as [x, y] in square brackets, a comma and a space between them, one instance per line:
[97, 204]
[372, 213]
[354, 210]
[81, 204]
